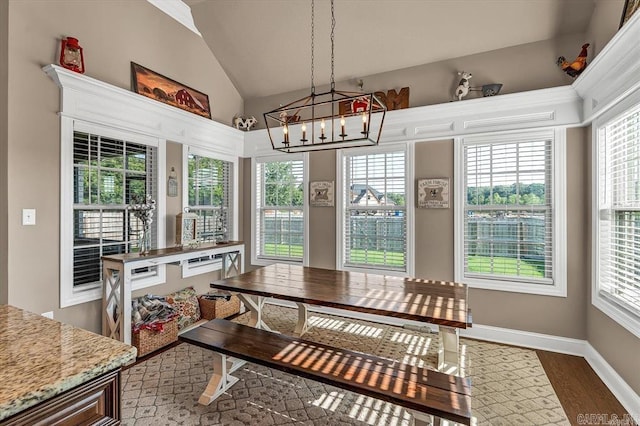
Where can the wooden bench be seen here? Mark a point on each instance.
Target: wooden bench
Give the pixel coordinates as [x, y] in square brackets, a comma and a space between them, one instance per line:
[420, 390]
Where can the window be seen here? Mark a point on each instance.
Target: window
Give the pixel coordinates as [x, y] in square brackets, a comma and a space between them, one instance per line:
[373, 209]
[210, 196]
[280, 193]
[617, 220]
[510, 209]
[104, 171]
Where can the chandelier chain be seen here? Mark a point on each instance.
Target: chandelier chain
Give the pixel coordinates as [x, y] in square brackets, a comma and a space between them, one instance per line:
[313, 27]
[333, 27]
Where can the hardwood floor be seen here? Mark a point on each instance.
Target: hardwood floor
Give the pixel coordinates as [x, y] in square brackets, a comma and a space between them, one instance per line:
[584, 397]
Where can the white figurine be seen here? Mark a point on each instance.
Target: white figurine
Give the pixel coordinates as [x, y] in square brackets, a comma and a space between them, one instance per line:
[242, 123]
[463, 87]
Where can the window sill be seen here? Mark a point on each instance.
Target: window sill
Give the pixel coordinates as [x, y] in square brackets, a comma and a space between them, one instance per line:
[625, 319]
[271, 261]
[373, 270]
[516, 286]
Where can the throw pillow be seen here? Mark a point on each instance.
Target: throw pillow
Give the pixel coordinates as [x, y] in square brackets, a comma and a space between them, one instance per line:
[186, 303]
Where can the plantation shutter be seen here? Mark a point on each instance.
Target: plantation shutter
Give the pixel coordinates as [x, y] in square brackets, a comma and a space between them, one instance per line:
[107, 173]
[279, 210]
[210, 196]
[375, 223]
[508, 209]
[619, 211]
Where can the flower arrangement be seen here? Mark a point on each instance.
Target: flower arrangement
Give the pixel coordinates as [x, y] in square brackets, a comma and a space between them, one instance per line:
[143, 211]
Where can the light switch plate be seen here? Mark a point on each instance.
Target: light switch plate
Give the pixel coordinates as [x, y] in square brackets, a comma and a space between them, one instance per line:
[28, 216]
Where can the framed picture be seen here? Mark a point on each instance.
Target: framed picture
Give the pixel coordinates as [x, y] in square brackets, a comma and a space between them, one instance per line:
[433, 193]
[630, 6]
[156, 86]
[186, 229]
[321, 194]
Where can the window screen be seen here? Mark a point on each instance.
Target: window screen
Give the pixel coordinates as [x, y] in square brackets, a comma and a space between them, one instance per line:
[375, 223]
[279, 207]
[209, 186]
[107, 173]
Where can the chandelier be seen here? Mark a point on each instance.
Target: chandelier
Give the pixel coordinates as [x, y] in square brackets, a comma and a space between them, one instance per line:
[330, 120]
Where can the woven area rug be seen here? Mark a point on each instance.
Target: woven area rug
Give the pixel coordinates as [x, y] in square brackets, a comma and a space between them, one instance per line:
[509, 385]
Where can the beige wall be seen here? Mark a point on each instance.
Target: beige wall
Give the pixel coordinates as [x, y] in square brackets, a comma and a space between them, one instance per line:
[521, 68]
[112, 33]
[604, 24]
[4, 34]
[322, 220]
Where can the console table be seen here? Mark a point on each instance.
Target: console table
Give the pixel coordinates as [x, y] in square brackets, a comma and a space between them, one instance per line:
[118, 276]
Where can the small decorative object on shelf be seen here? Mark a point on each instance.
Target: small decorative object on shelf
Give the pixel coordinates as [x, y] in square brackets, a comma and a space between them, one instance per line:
[71, 56]
[244, 123]
[187, 229]
[463, 86]
[172, 183]
[143, 211]
[575, 68]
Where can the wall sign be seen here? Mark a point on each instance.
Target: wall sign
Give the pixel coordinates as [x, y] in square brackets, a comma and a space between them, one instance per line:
[321, 194]
[433, 193]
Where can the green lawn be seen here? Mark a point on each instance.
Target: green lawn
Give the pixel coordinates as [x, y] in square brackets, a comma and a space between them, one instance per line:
[506, 266]
[357, 255]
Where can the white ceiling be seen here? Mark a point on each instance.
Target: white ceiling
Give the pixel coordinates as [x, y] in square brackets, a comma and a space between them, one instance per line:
[265, 45]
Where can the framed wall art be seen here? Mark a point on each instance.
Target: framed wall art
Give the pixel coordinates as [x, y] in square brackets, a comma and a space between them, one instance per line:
[156, 86]
[433, 193]
[321, 194]
[630, 7]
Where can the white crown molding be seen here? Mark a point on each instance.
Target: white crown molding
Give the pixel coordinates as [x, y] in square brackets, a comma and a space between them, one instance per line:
[178, 10]
[85, 98]
[613, 74]
[553, 107]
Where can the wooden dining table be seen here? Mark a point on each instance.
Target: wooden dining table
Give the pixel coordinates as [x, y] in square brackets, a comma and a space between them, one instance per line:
[442, 303]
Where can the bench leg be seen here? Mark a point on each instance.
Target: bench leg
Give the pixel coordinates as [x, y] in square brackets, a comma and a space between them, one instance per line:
[303, 317]
[219, 382]
[448, 350]
[255, 304]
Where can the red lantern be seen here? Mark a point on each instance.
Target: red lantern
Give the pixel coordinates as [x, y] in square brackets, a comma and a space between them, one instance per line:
[71, 55]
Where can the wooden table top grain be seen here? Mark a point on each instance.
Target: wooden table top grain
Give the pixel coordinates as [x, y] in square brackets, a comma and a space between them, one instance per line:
[436, 302]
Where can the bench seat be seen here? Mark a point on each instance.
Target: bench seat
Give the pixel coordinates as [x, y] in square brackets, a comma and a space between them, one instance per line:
[418, 389]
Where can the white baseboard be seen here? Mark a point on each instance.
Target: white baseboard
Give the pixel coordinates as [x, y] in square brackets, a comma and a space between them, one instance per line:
[627, 397]
[616, 384]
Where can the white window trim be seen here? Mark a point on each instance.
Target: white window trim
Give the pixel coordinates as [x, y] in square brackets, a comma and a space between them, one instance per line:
[409, 149]
[305, 207]
[608, 307]
[186, 150]
[559, 286]
[69, 295]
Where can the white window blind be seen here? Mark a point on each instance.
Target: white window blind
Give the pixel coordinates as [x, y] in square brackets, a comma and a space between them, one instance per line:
[107, 173]
[279, 210]
[210, 196]
[619, 211]
[375, 220]
[508, 209]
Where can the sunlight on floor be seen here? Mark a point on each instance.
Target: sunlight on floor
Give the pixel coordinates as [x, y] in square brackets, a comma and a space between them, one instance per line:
[369, 410]
[353, 328]
[276, 413]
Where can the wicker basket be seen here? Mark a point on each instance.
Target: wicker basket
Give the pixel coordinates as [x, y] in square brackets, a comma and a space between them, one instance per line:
[218, 308]
[147, 341]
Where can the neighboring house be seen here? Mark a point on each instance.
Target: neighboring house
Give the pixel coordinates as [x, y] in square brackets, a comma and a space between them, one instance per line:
[365, 195]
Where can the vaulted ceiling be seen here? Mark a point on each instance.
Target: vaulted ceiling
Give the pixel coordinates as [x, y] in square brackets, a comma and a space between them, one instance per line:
[265, 45]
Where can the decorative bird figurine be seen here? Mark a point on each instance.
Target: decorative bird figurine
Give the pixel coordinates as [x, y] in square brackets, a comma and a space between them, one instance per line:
[576, 67]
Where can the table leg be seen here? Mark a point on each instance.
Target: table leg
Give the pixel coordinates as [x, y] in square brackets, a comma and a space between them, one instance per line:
[303, 319]
[255, 305]
[219, 382]
[449, 350]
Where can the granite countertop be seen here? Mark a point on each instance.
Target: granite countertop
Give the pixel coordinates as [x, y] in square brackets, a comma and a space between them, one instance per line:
[41, 358]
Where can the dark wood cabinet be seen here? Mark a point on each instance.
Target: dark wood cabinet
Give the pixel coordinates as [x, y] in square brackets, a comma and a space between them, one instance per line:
[96, 402]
